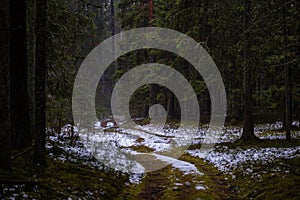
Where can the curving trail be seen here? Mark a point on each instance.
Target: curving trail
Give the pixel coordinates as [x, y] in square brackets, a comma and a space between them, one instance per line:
[171, 183]
[182, 178]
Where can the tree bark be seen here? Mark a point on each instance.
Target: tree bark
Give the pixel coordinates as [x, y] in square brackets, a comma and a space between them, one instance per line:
[5, 143]
[40, 82]
[152, 88]
[287, 75]
[20, 117]
[31, 47]
[248, 127]
[170, 106]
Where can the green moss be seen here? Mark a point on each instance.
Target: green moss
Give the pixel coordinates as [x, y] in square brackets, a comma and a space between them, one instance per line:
[110, 130]
[140, 148]
[139, 140]
[275, 185]
[60, 180]
[218, 185]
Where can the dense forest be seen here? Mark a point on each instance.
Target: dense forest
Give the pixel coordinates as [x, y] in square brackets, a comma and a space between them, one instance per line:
[254, 44]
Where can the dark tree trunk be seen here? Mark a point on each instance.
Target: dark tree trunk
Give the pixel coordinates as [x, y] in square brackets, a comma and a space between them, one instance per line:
[112, 12]
[248, 127]
[152, 88]
[20, 117]
[4, 86]
[298, 55]
[31, 17]
[287, 74]
[40, 82]
[171, 99]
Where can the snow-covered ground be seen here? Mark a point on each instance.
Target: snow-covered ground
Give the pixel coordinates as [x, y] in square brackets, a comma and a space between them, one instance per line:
[112, 147]
[229, 159]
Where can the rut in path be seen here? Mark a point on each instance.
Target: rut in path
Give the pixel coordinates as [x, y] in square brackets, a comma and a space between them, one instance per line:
[155, 184]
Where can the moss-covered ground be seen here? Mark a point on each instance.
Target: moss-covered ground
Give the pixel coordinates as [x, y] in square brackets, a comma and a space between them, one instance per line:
[59, 180]
[271, 183]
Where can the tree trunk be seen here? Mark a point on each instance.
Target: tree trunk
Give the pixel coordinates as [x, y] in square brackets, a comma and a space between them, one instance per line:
[248, 127]
[31, 47]
[40, 82]
[4, 86]
[152, 88]
[20, 117]
[171, 99]
[287, 75]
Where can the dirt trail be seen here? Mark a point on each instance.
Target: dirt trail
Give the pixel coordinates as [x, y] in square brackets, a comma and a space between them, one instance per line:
[170, 183]
[155, 185]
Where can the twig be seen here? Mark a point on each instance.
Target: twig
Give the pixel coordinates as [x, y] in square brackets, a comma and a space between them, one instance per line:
[26, 150]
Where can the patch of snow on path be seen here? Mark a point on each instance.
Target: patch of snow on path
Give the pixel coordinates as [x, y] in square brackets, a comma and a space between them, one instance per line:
[185, 167]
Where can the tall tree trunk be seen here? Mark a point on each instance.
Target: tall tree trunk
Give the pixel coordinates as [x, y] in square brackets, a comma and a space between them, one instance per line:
[287, 75]
[20, 117]
[171, 99]
[248, 127]
[152, 88]
[31, 17]
[298, 55]
[4, 86]
[112, 12]
[40, 82]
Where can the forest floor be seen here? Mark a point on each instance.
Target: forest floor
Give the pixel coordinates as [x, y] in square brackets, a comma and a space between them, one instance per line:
[268, 169]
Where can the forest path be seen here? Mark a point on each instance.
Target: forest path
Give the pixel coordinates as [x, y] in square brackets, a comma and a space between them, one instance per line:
[171, 183]
[183, 178]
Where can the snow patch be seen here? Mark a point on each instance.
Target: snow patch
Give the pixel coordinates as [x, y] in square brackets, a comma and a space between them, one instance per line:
[185, 167]
[230, 159]
[200, 187]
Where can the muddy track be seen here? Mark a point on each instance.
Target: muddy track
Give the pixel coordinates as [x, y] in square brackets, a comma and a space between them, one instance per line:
[155, 184]
[222, 185]
[170, 183]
